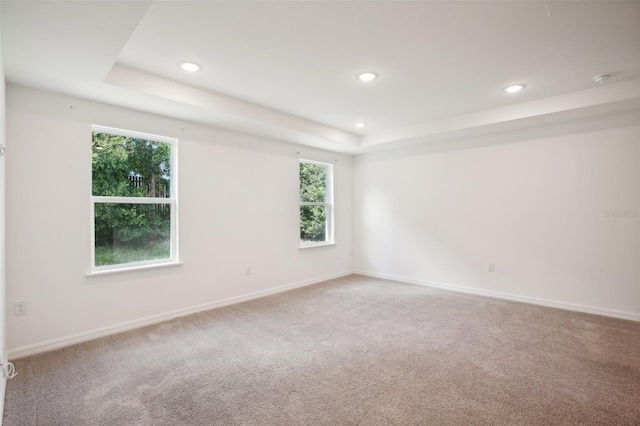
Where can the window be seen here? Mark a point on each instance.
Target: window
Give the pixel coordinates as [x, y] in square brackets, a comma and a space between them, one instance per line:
[316, 203]
[133, 199]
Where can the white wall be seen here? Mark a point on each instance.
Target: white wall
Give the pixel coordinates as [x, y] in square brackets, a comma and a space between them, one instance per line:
[533, 202]
[3, 303]
[238, 200]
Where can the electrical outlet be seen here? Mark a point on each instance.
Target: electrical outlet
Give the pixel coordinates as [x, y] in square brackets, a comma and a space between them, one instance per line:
[247, 270]
[19, 308]
[491, 267]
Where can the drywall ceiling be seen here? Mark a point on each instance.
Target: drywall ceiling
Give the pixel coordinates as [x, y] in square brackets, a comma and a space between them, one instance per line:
[288, 69]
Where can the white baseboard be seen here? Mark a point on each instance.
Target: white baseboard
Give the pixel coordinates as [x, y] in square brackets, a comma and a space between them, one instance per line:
[154, 319]
[130, 325]
[508, 296]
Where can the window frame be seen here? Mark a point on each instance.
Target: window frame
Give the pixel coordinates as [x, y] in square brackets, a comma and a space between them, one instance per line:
[328, 204]
[172, 201]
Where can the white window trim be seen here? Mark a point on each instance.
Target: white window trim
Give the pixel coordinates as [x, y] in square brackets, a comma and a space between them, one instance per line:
[173, 201]
[329, 231]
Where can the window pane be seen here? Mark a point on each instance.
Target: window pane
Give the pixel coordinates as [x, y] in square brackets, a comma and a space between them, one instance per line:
[130, 167]
[132, 232]
[313, 224]
[313, 183]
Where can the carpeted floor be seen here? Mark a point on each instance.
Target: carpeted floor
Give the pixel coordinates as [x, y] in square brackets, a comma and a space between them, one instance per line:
[352, 351]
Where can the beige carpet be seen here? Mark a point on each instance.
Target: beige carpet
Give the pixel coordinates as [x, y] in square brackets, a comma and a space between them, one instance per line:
[352, 351]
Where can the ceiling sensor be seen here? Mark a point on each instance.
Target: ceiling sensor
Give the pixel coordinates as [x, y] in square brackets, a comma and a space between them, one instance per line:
[601, 78]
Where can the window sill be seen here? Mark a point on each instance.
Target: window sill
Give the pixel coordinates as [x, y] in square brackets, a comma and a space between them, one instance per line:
[132, 268]
[316, 245]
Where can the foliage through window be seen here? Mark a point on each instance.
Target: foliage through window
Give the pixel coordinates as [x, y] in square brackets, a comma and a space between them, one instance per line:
[316, 203]
[133, 198]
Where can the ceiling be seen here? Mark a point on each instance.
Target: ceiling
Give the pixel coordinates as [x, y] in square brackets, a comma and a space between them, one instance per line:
[287, 70]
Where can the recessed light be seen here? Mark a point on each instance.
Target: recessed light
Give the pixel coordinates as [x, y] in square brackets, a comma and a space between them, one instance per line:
[515, 88]
[367, 76]
[190, 66]
[360, 125]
